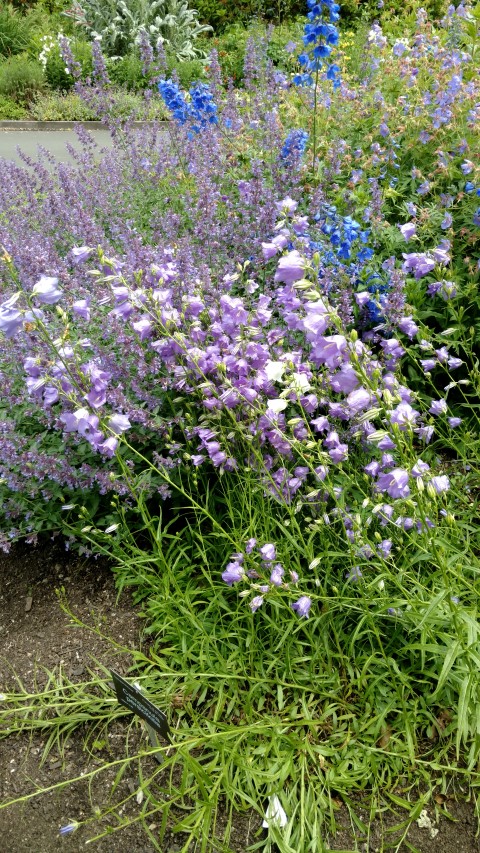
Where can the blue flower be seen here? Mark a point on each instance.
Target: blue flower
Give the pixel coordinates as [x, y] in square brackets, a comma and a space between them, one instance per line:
[320, 34]
[201, 110]
[294, 146]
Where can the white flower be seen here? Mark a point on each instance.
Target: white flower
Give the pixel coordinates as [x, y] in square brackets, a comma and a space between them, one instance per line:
[300, 383]
[275, 815]
[275, 370]
[277, 405]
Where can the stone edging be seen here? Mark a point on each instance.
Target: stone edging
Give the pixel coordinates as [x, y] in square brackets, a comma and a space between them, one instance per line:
[67, 125]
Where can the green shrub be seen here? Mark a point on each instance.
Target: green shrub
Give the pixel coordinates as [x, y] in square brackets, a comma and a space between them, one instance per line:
[127, 103]
[54, 106]
[120, 23]
[188, 72]
[14, 31]
[127, 72]
[10, 110]
[21, 78]
[231, 51]
[222, 13]
[55, 73]
[352, 10]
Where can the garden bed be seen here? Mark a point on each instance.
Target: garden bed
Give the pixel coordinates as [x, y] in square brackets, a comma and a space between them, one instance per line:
[37, 640]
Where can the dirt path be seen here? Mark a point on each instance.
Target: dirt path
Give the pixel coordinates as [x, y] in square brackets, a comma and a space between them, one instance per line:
[36, 635]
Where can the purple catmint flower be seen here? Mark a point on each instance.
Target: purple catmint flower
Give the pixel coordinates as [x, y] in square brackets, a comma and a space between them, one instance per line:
[441, 255]
[47, 291]
[394, 483]
[359, 400]
[108, 447]
[404, 415]
[338, 453]
[81, 307]
[440, 484]
[354, 575]
[11, 320]
[302, 606]
[291, 267]
[287, 206]
[408, 327]
[143, 327]
[233, 573]
[267, 552]
[420, 468]
[329, 350]
[467, 167]
[385, 547]
[438, 407]
[119, 423]
[256, 603]
[418, 263]
[317, 319]
[425, 433]
[80, 254]
[408, 230]
[277, 574]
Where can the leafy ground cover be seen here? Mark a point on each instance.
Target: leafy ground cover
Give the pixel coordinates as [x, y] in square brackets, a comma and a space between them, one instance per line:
[242, 363]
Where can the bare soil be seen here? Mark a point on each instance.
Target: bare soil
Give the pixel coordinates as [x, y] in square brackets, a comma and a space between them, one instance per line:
[36, 635]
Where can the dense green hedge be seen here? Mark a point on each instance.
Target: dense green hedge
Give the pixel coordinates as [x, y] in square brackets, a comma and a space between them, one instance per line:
[223, 13]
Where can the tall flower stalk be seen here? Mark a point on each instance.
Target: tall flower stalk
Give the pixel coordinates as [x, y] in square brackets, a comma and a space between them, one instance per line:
[320, 36]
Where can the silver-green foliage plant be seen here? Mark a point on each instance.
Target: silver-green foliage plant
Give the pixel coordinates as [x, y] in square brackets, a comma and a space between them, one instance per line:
[120, 23]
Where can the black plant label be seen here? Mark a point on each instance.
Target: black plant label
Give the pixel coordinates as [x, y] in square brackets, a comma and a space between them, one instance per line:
[129, 696]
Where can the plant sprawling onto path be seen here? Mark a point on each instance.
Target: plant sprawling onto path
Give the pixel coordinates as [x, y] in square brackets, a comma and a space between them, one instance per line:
[241, 359]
